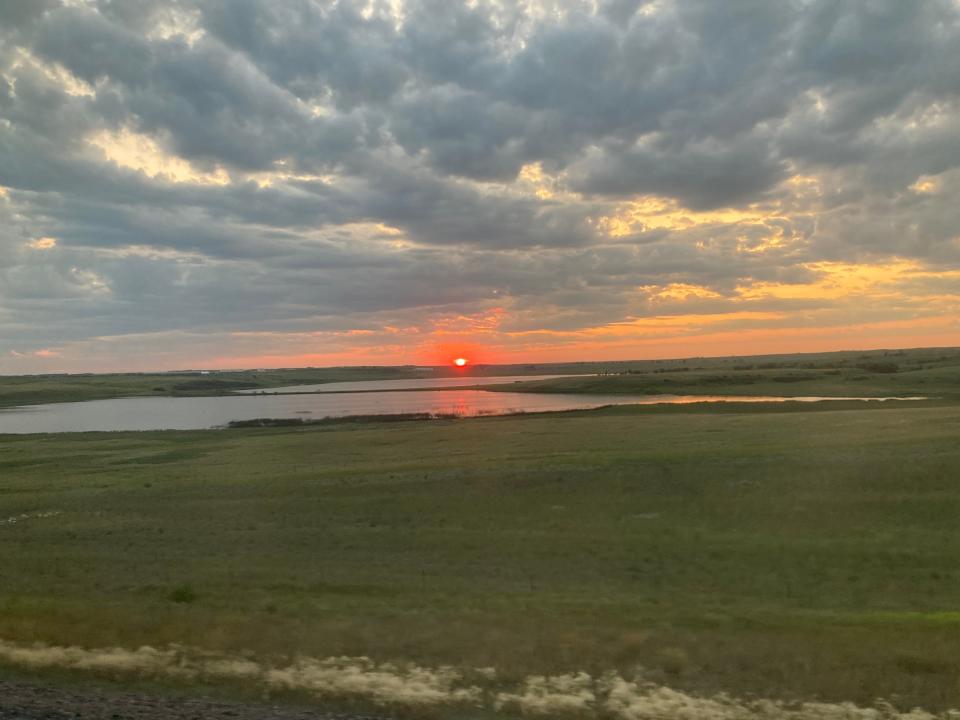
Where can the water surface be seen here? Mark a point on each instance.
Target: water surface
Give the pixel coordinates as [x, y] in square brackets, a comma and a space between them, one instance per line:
[198, 413]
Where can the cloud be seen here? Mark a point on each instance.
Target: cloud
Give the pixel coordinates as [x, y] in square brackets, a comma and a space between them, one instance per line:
[213, 167]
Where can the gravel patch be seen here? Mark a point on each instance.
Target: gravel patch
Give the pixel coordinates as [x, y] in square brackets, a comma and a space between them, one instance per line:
[30, 701]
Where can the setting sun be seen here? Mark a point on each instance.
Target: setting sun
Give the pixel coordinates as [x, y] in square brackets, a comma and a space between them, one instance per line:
[460, 362]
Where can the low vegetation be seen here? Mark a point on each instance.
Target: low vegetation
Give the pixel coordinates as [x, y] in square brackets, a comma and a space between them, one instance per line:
[929, 373]
[803, 556]
[344, 420]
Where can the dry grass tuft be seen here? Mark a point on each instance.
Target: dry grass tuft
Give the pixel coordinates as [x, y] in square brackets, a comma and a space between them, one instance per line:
[577, 696]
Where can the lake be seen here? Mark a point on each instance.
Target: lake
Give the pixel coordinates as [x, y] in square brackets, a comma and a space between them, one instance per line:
[379, 397]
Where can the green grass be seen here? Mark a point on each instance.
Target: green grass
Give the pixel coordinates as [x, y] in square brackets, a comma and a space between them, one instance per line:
[784, 554]
[925, 373]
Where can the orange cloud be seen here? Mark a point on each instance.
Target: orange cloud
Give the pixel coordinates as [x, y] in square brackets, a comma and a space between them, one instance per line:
[679, 291]
[654, 213]
[485, 322]
[641, 327]
[837, 280]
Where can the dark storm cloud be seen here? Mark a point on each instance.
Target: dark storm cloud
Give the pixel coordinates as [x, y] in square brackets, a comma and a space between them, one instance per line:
[390, 157]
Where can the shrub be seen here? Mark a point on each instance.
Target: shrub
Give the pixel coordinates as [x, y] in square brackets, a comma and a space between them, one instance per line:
[183, 594]
[674, 660]
[879, 367]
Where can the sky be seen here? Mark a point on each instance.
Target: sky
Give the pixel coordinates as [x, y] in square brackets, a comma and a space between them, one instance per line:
[252, 183]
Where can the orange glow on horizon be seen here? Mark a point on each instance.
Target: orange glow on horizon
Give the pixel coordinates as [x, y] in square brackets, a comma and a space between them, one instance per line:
[449, 354]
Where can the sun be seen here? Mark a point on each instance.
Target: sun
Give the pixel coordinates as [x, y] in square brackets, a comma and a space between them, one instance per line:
[460, 362]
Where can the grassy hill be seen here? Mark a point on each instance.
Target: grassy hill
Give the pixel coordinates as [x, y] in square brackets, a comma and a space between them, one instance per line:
[934, 373]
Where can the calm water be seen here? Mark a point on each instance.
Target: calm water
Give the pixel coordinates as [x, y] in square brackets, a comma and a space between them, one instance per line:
[150, 413]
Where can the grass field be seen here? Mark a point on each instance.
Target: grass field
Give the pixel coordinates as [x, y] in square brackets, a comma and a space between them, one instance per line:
[931, 373]
[777, 553]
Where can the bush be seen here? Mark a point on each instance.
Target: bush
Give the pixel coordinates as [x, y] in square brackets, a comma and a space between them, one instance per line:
[196, 385]
[183, 594]
[674, 660]
[879, 367]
